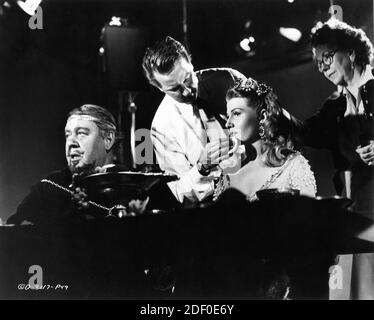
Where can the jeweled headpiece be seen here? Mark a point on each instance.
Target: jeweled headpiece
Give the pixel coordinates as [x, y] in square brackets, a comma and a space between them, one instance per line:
[249, 84]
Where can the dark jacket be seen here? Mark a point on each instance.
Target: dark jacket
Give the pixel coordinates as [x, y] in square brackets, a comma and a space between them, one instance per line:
[322, 129]
[213, 86]
[48, 204]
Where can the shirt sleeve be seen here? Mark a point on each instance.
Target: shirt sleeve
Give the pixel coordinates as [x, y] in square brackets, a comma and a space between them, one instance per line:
[302, 177]
[172, 159]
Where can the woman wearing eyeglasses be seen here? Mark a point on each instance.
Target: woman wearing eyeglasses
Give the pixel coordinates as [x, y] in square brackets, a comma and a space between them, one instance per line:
[345, 125]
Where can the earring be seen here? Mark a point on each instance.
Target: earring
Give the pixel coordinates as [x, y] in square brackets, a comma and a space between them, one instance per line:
[261, 130]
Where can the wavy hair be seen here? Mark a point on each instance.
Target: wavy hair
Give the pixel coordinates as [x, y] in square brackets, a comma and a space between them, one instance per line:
[162, 57]
[342, 36]
[277, 141]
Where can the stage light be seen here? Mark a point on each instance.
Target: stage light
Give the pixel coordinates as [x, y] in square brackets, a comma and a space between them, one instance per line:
[251, 39]
[116, 21]
[247, 24]
[244, 45]
[292, 34]
[290, 1]
[29, 6]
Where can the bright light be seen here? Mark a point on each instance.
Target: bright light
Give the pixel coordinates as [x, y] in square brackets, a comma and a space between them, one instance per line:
[247, 24]
[251, 39]
[244, 44]
[292, 34]
[29, 6]
[116, 21]
[290, 1]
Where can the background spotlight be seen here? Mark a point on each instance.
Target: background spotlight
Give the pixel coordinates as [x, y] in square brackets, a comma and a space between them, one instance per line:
[292, 34]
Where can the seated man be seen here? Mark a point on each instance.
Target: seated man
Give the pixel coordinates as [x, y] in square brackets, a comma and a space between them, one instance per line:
[90, 134]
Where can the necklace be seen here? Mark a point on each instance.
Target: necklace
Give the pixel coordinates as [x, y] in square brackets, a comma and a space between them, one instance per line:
[71, 193]
[273, 177]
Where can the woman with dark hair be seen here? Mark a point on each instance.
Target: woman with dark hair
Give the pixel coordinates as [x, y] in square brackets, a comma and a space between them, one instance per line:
[255, 118]
[345, 123]
[345, 126]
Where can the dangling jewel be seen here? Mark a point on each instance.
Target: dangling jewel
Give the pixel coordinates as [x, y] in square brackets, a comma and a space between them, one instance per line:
[261, 130]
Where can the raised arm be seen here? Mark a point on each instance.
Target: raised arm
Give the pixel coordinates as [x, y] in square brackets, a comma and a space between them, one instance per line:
[192, 185]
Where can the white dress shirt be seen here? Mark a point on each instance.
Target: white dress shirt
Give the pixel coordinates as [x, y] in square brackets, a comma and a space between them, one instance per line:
[179, 139]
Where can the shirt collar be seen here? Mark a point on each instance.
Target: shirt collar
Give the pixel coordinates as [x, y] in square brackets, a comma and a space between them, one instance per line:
[363, 79]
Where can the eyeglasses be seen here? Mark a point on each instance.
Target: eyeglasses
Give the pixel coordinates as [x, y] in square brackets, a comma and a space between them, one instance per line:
[326, 61]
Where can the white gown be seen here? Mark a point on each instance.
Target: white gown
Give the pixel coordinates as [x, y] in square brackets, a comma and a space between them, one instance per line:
[295, 173]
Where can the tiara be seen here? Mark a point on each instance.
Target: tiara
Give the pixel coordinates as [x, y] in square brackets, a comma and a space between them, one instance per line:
[247, 85]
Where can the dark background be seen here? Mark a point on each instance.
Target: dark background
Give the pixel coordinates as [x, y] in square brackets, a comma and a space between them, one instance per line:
[46, 73]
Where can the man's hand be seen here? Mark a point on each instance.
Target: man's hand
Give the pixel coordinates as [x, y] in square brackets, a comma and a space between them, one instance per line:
[79, 197]
[137, 206]
[215, 152]
[367, 153]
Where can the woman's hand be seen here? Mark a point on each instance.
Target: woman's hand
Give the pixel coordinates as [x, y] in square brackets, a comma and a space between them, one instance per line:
[367, 153]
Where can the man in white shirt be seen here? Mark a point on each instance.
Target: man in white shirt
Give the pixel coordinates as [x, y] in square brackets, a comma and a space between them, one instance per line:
[187, 129]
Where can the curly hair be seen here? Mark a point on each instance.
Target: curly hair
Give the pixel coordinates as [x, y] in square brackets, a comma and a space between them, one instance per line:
[161, 58]
[277, 144]
[342, 36]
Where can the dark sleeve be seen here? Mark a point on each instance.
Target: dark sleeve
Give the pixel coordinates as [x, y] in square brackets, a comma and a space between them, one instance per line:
[213, 85]
[31, 208]
[236, 75]
[46, 204]
[320, 130]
